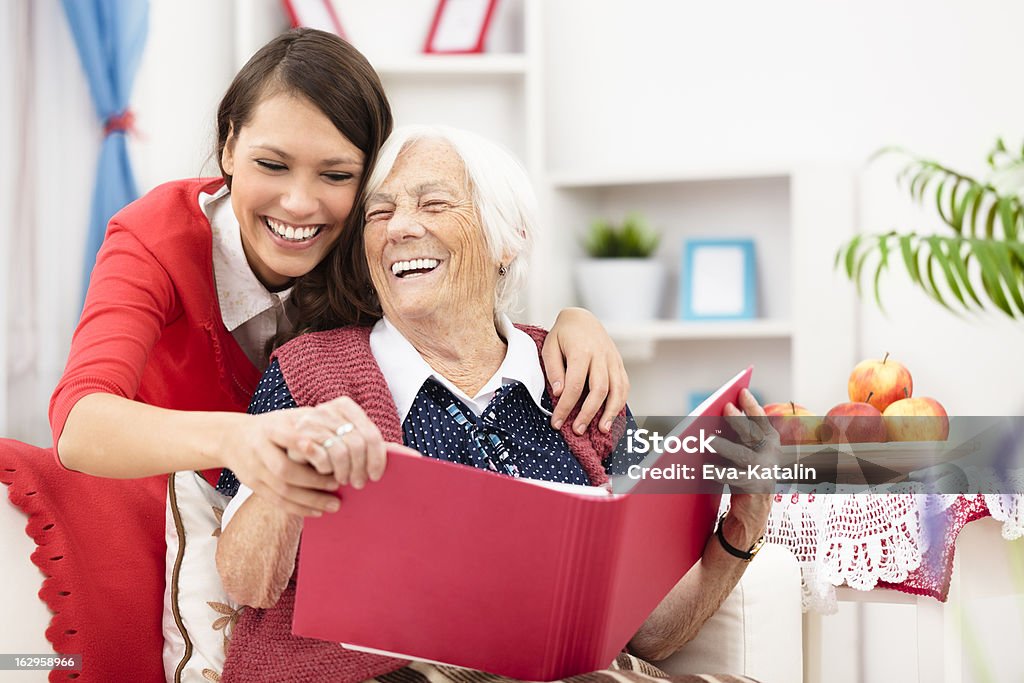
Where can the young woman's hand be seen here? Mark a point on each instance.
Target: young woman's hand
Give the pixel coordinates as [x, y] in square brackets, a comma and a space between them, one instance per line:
[298, 458]
[337, 438]
[578, 353]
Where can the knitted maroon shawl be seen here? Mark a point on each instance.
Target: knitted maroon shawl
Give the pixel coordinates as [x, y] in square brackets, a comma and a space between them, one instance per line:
[319, 367]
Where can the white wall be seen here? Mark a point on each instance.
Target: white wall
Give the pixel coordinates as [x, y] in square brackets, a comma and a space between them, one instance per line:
[651, 84]
[792, 79]
[186, 67]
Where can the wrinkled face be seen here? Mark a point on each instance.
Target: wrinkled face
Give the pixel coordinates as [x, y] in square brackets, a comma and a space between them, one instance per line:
[425, 248]
[295, 178]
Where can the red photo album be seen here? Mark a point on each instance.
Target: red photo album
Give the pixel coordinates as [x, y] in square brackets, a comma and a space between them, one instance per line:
[531, 580]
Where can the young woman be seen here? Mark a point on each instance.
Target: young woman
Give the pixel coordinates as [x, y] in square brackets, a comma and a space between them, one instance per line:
[195, 282]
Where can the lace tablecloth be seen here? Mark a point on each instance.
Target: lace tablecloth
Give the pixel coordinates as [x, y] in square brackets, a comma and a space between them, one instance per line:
[900, 540]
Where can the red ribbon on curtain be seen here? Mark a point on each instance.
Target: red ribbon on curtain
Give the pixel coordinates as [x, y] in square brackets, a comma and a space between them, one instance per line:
[122, 122]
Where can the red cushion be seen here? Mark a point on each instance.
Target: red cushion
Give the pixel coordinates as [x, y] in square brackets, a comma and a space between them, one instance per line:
[101, 546]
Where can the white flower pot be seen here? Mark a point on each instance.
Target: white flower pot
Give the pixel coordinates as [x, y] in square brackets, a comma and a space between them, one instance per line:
[621, 289]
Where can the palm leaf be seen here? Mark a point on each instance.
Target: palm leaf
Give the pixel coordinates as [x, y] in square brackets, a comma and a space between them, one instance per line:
[931, 261]
[987, 227]
[997, 149]
[851, 254]
[910, 258]
[934, 289]
[1009, 211]
[971, 199]
[953, 219]
[860, 269]
[1004, 263]
[939, 255]
[938, 200]
[960, 264]
[1017, 250]
[979, 200]
[990, 221]
[883, 264]
[990, 278]
[920, 182]
[957, 195]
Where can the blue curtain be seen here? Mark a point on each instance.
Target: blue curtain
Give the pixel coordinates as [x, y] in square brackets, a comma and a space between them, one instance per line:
[109, 35]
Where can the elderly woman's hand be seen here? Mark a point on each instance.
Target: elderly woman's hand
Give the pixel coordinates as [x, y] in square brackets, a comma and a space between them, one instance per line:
[578, 352]
[751, 501]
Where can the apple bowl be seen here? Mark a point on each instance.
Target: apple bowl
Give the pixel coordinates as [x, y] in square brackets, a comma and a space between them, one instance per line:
[874, 462]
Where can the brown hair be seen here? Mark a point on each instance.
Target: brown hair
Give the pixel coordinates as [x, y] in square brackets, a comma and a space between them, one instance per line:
[337, 79]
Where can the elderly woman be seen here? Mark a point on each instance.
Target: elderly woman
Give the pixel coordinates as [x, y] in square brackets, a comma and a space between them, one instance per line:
[449, 223]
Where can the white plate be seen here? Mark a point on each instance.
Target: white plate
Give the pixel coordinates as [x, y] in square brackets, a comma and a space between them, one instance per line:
[900, 456]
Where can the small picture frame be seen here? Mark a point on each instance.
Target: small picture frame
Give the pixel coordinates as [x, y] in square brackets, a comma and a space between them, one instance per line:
[718, 280]
[460, 26]
[314, 14]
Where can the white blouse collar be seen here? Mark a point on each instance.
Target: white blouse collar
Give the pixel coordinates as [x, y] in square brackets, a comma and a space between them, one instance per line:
[405, 370]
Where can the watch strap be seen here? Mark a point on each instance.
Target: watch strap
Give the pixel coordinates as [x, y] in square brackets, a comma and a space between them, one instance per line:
[745, 555]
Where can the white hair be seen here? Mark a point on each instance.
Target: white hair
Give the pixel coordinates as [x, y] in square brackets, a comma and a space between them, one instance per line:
[502, 195]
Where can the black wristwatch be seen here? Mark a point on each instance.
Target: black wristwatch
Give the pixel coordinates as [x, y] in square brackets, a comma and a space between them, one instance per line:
[745, 555]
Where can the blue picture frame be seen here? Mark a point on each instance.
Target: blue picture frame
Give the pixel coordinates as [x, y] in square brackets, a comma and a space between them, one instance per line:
[708, 286]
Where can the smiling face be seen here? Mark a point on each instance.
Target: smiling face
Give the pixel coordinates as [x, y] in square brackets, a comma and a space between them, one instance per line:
[425, 248]
[294, 181]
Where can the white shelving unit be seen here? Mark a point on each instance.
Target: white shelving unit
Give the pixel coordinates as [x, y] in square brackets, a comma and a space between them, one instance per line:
[647, 176]
[669, 360]
[805, 328]
[673, 330]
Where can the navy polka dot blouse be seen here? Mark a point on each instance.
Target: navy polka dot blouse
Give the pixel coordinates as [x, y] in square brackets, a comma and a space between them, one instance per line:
[512, 436]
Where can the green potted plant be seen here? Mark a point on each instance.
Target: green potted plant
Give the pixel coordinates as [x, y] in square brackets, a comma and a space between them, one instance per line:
[979, 262]
[619, 281]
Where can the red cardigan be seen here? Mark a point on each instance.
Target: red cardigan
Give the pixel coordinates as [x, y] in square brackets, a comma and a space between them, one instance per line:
[151, 330]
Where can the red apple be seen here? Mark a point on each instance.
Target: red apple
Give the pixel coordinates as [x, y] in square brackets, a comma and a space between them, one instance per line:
[787, 408]
[854, 422]
[880, 382]
[794, 423]
[916, 419]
